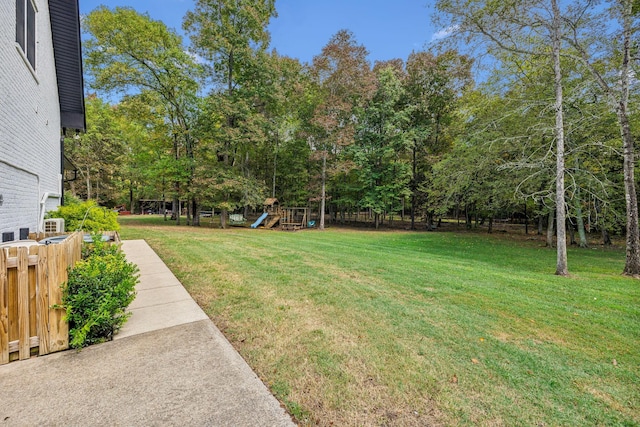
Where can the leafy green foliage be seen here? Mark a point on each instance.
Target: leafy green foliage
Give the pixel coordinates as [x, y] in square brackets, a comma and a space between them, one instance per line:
[345, 81]
[130, 53]
[229, 32]
[339, 132]
[232, 127]
[99, 153]
[86, 216]
[226, 189]
[97, 294]
[379, 140]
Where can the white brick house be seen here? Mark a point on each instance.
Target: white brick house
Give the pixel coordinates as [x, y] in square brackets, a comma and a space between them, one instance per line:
[40, 94]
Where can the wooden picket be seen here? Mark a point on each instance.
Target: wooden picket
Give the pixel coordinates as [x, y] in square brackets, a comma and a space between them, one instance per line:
[31, 282]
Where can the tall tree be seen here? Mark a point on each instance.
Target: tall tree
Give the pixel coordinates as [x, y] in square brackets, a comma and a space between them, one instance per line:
[98, 153]
[227, 34]
[556, 47]
[476, 177]
[281, 161]
[380, 141]
[151, 166]
[231, 36]
[523, 28]
[129, 52]
[344, 76]
[583, 37]
[433, 84]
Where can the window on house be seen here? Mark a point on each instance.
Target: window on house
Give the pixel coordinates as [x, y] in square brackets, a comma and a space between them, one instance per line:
[26, 29]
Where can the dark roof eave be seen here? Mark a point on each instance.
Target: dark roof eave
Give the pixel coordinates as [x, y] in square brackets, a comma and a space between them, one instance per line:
[67, 51]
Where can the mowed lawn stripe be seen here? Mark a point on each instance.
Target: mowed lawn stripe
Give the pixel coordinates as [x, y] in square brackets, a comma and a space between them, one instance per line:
[395, 328]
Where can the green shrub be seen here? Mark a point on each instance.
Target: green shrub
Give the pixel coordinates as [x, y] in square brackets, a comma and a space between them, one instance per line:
[97, 293]
[86, 216]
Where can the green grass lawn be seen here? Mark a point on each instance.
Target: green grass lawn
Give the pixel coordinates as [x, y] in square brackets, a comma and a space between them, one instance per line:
[397, 328]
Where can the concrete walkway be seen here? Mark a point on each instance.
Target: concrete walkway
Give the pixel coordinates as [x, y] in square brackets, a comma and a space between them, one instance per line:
[169, 365]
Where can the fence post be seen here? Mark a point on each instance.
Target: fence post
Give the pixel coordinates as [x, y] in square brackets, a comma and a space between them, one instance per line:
[42, 300]
[24, 349]
[58, 328]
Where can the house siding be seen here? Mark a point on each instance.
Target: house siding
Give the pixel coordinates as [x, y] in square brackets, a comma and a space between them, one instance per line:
[29, 124]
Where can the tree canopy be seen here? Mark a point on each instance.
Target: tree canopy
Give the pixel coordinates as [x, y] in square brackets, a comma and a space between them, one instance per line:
[546, 136]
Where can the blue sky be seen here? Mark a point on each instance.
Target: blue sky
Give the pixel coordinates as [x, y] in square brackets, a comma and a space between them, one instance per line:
[387, 28]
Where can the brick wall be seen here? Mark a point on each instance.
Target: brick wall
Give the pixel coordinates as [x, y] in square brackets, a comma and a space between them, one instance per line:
[29, 124]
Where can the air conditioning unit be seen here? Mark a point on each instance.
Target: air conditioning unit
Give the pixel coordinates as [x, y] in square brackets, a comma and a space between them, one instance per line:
[54, 225]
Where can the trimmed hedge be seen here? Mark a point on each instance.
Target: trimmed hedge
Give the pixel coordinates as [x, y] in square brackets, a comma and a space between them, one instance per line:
[97, 294]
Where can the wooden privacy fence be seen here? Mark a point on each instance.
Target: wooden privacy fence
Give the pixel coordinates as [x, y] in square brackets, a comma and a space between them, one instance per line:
[30, 287]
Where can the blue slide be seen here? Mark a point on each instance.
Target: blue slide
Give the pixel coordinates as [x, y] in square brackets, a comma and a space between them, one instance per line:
[257, 223]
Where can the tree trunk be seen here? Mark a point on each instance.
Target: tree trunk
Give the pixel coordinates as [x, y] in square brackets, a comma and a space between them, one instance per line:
[540, 225]
[323, 193]
[131, 197]
[88, 177]
[223, 218]
[490, 229]
[580, 221]
[561, 241]
[414, 196]
[176, 208]
[632, 264]
[164, 202]
[550, 230]
[196, 212]
[275, 168]
[189, 212]
[572, 233]
[176, 184]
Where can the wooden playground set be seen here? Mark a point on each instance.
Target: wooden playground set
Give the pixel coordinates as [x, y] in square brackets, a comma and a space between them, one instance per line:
[276, 217]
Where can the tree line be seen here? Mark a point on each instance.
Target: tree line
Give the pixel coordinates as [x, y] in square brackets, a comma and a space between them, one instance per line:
[546, 133]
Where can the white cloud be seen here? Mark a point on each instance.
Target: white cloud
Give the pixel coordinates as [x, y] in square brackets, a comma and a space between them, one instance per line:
[443, 34]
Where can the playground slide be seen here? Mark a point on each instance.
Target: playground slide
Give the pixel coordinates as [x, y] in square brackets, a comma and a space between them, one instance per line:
[259, 221]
